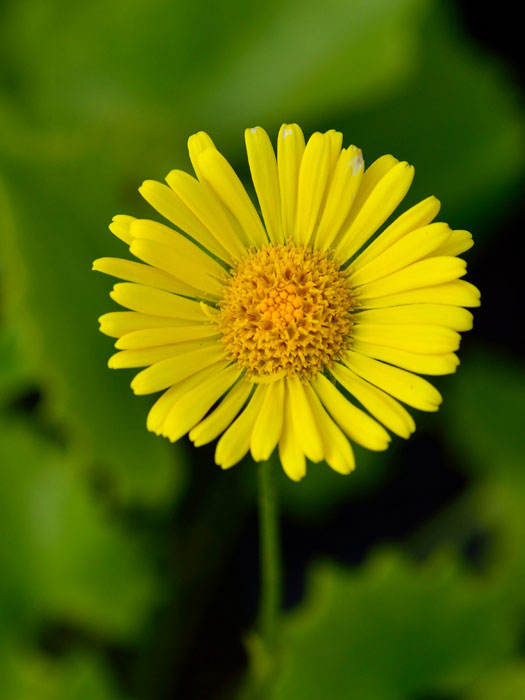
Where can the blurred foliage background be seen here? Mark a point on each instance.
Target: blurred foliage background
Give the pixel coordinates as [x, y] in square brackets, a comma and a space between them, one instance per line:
[129, 567]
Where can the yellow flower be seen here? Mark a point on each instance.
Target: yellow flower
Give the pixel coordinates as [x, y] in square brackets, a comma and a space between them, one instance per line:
[297, 332]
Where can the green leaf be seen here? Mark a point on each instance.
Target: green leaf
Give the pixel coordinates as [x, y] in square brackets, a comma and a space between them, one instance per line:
[77, 677]
[61, 556]
[49, 238]
[505, 683]
[392, 631]
[458, 120]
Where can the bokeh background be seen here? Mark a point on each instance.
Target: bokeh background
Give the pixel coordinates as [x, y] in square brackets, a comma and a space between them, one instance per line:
[129, 567]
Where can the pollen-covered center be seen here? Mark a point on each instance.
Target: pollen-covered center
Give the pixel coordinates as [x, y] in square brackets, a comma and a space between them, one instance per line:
[286, 310]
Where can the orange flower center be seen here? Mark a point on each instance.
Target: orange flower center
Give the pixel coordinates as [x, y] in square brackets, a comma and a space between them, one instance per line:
[286, 310]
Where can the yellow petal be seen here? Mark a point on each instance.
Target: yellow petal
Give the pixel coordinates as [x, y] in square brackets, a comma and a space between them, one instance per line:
[219, 174]
[142, 274]
[431, 271]
[120, 226]
[414, 362]
[290, 149]
[341, 195]
[269, 421]
[305, 428]
[436, 314]
[156, 302]
[382, 406]
[382, 201]
[335, 139]
[356, 424]
[174, 369]
[196, 196]
[189, 409]
[235, 442]
[411, 247]
[163, 404]
[197, 143]
[118, 323]
[188, 271]
[313, 179]
[371, 177]
[165, 201]
[411, 337]
[405, 386]
[181, 247]
[263, 167]
[456, 293]
[151, 337]
[143, 357]
[416, 217]
[338, 452]
[220, 418]
[457, 243]
[290, 454]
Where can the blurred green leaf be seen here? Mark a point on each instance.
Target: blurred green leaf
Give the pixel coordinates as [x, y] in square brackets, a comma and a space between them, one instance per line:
[458, 120]
[484, 412]
[28, 676]
[392, 631]
[61, 556]
[48, 244]
[505, 683]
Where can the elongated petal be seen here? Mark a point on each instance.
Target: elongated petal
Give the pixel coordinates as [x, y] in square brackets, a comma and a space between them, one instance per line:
[313, 180]
[458, 242]
[163, 374]
[382, 201]
[207, 209]
[165, 201]
[382, 406]
[184, 250]
[188, 271]
[371, 178]
[221, 417]
[290, 149]
[142, 274]
[402, 385]
[148, 300]
[436, 314]
[163, 404]
[356, 424]
[341, 195]
[197, 143]
[411, 337]
[189, 409]
[263, 168]
[269, 422]
[338, 452]
[416, 217]
[292, 457]
[235, 442]
[427, 272]
[305, 428]
[120, 227]
[151, 337]
[143, 357]
[223, 180]
[455, 293]
[118, 323]
[414, 362]
[412, 247]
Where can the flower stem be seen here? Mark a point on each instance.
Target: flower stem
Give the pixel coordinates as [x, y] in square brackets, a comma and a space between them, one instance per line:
[270, 567]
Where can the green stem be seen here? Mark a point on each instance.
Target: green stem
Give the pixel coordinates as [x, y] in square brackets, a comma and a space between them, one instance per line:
[270, 602]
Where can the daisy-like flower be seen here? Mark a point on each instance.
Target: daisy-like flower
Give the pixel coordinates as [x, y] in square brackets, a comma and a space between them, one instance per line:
[299, 329]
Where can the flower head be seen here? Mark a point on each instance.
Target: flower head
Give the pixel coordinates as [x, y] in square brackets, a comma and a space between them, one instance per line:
[293, 330]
